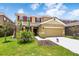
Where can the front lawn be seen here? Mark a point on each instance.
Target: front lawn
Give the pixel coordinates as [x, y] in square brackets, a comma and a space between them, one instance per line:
[12, 48]
[73, 37]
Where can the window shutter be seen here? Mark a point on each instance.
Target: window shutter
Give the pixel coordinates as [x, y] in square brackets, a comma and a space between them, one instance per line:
[30, 19]
[35, 19]
[25, 18]
[40, 19]
[18, 17]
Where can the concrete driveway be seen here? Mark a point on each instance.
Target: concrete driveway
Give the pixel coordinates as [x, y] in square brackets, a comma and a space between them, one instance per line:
[70, 44]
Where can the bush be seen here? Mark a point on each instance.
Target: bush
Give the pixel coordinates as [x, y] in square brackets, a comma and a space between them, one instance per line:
[75, 37]
[8, 30]
[1, 32]
[30, 35]
[25, 36]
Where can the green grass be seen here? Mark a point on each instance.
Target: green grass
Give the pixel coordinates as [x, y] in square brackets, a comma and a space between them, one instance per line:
[73, 37]
[12, 48]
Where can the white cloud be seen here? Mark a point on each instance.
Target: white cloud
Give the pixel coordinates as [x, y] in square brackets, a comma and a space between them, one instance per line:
[55, 9]
[71, 15]
[50, 5]
[55, 12]
[20, 11]
[54, 5]
[74, 14]
[59, 5]
[61, 11]
[35, 6]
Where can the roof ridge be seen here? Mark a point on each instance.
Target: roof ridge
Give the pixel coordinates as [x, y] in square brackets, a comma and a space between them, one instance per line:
[51, 20]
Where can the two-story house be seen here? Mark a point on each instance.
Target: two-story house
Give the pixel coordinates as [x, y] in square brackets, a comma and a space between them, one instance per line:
[46, 25]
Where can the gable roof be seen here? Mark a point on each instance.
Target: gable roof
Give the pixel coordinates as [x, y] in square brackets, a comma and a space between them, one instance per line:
[55, 19]
[2, 14]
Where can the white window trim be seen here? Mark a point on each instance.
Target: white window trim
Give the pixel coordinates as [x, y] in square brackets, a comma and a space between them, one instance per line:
[53, 27]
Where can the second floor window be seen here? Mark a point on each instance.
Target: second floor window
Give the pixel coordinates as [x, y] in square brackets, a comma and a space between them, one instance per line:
[37, 19]
[5, 19]
[21, 18]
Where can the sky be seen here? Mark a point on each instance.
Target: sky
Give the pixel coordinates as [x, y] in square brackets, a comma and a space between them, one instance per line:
[65, 11]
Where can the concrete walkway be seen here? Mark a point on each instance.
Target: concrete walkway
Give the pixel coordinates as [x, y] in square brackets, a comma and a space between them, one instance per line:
[70, 44]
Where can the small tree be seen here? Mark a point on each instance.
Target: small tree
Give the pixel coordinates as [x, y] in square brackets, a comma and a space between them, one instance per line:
[5, 27]
[5, 32]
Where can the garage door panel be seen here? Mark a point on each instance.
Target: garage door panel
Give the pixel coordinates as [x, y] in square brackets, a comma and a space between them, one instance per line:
[53, 31]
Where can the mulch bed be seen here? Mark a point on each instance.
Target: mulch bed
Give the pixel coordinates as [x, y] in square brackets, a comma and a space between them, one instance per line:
[46, 43]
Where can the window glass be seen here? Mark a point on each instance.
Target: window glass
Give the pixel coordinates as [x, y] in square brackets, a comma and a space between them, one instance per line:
[4, 19]
[37, 19]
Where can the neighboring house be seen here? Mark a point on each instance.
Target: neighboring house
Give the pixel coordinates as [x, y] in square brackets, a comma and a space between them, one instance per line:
[4, 19]
[48, 26]
[66, 21]
[6, 25]
[72, 28]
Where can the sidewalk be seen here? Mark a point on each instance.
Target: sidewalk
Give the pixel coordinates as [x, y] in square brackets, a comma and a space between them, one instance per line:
[71, 44]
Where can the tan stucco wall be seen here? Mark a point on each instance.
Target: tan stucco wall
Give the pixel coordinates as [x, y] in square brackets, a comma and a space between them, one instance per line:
[41, 30]
[51, 31]
[48, 29]
[45, 18]
[33, 19]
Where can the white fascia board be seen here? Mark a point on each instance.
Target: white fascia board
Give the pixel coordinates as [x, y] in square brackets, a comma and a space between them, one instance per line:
[60, 21]
[56, 19]
[53, 27]
[46, 21]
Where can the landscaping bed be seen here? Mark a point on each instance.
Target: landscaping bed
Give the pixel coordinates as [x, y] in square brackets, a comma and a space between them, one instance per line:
[46, 43]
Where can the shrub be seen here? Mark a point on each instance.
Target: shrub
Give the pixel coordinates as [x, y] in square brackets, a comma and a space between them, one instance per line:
[25, 36]
[30, 35]
[1, 32]
[7, 29]
[75, 37]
